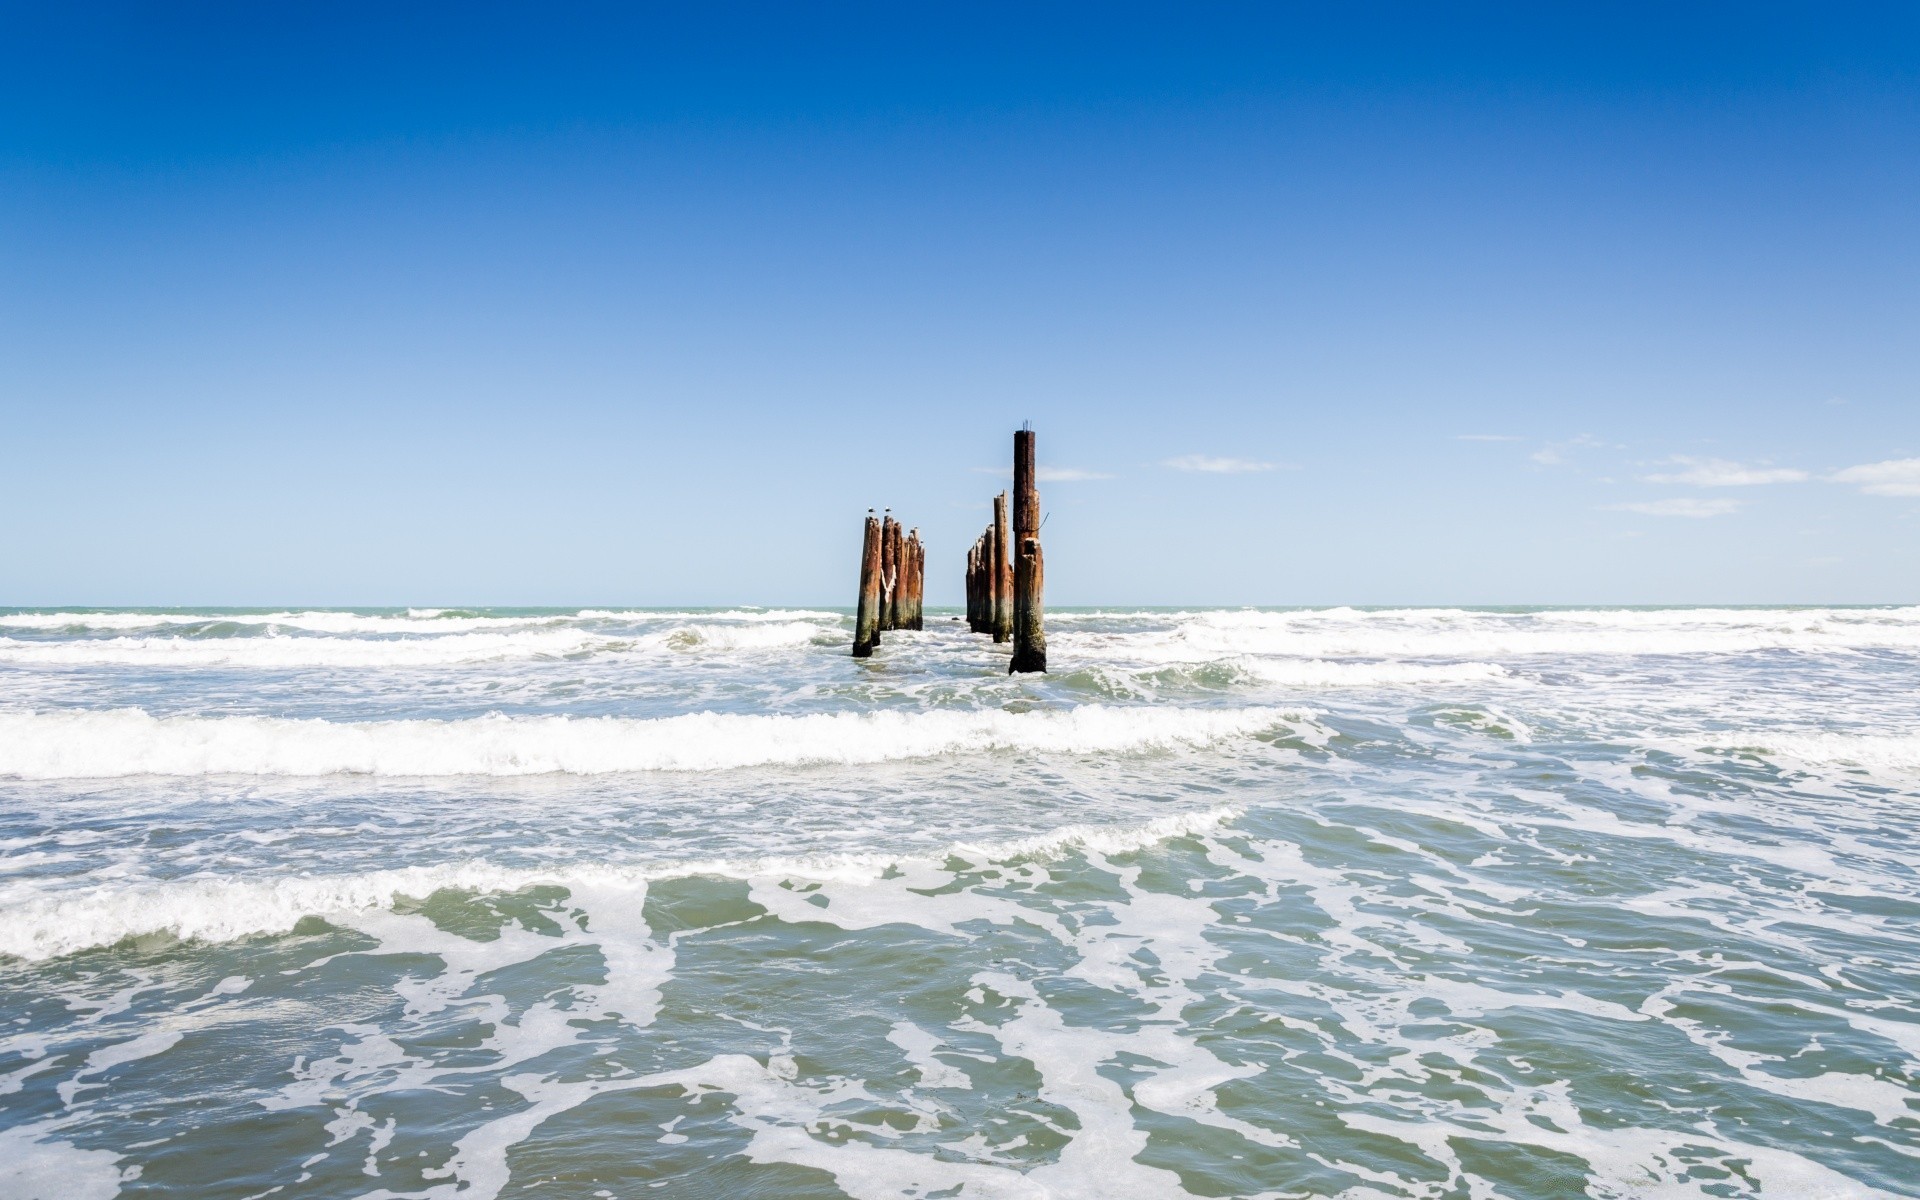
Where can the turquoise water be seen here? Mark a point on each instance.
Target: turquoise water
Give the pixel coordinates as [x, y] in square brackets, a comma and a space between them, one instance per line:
[1430, 903]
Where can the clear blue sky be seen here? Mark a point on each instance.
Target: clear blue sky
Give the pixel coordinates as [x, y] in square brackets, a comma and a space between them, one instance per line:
[576, 304]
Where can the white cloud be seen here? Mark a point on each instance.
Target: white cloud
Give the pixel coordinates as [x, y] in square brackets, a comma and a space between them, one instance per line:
[1216, 466]
[1895, 477]
[1718, 472]
[1049, 474]
[1553, 454]
[1679, 506]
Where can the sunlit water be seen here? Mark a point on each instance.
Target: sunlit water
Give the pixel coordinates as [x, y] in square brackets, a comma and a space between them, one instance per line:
[1417, 903]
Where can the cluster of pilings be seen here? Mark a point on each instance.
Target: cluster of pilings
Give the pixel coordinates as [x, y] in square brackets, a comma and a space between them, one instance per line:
[990, 578]
[1006, 576]
[893, 577]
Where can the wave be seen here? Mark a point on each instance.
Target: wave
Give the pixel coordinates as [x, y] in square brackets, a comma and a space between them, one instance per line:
[286, 652]
[1321, 673]
[437, 621]
[125, 742]
[454, 649]
[225, 909]
[1463, 634]
[1880, 754]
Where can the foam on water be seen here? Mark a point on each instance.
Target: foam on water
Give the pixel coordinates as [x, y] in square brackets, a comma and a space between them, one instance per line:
[1893, 755]
[47, 922]
[1483, 636]
[98, 745]
[413, 621]
[1618, 903]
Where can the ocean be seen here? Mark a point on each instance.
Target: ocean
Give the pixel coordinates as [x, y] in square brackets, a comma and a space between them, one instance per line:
[1361, 903]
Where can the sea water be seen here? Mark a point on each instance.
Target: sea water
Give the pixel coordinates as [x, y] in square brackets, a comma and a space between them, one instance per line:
[1412, 903]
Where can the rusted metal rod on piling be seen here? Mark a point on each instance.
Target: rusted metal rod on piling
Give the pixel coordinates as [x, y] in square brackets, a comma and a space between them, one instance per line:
[866, 616]
[1029, 572]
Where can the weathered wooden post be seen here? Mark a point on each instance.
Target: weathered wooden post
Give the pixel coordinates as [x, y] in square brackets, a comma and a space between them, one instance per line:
[1029, 572]
[887, 572]
[866, 615]
[917, 574]
[902, 579]
[973, 601]
[976, 589]
[980, 580]
[1001, 571]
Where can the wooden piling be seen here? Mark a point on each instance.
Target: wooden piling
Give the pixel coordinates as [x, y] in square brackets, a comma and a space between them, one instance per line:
[973, 584]
[907, 544]
[1001, 571]
[1029, 572]
[887, 572]
[970, 588]
[866, 615]
[917, 572]
[902, 575]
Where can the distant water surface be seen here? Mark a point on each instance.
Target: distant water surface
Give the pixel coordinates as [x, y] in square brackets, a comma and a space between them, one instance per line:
[1396, 903]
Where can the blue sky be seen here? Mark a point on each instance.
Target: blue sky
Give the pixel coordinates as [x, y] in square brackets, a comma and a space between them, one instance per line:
[1373, 304]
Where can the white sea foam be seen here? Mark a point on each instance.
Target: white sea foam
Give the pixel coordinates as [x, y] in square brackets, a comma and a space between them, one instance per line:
[36, 1165]
[122, 742]
[1321, 673]
[1463, 634]
[44, 925]
[422, 621]
[279, 652]
[1888, 754]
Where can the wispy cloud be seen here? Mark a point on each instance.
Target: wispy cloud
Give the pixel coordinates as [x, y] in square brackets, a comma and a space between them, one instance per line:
[1679, 506]
[1719, 472]
[1049, 474]
[1486, 437]
[1555, 453]
[1895, 477]
[1216, 466]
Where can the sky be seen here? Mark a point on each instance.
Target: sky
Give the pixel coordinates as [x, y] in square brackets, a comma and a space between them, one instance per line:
[1379, 304]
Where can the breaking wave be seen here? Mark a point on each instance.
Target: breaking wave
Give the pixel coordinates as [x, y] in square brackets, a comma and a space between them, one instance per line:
[224, 909]
[1879, 754]
[1463, 634]
[436, 621]
[454, 649]
[124, 742]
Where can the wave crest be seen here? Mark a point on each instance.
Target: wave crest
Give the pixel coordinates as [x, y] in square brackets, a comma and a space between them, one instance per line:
[124, 742]
[225, 909]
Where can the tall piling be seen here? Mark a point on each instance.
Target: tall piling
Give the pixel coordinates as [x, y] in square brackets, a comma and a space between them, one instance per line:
[973, 584]
[887, 572]
[902, 579]
[1001, 571]
[866, 616]
[917, 572]
[1029, 571]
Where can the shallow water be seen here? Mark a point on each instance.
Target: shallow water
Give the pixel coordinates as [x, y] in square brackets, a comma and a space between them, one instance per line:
[1294, 903]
